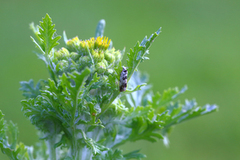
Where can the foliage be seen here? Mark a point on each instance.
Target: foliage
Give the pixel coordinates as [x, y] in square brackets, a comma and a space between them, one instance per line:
[80, 112]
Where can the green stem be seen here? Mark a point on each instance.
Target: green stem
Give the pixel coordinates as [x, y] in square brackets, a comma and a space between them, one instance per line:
[52, 150]
[74, 149]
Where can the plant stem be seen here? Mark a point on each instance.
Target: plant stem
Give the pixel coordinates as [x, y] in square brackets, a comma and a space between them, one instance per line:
[51, 149]
[74, 149]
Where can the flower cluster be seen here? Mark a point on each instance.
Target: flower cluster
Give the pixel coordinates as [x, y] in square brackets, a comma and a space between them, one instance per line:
[94, 53]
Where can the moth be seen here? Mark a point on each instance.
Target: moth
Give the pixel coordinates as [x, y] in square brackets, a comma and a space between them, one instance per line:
[123, 80]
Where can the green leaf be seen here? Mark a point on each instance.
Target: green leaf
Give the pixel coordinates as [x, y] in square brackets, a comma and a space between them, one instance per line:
[145, 129]
[139, 111]
[170, 94]
[116, 155]
[138, 87]
[190, 110]
[35, 30]
[119, 106]
[38, 43]
[65, 37]
[179, 113]
[93, 84]
[46, 34]
[134, 155]
[160, 101]
[44, 114]
[72, 90]
[9, 141]
[93, 145]
[111, 155]
[53, 95]
[112, 82]
[78, 78]
[29, 91]
[40, 48]
[138, 53]
[100, 28]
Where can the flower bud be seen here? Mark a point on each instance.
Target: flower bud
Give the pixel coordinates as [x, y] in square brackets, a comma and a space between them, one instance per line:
[74, 56]
[62, 54]
[84, 60]
[62, 65]
[109, 57]
[73, 44]
[98, 55]
[101, 67]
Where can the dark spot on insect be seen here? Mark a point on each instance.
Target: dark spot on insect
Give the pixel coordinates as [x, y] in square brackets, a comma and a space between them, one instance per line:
[125, 77]
[123, 87]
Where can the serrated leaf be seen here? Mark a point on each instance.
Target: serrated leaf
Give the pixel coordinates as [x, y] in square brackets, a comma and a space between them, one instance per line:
[145, 129]
[46, 34]
[137, 54]
[138, 112]
[134, 155]
[174, 109]
[40, 48]
[55, 97]
[138, 87]
[38, 43]
[119, 106]
[110, 155]
[168, 96]
[73, 85]
[29, 91]
[196, 111]
[187, 111]
[93, 84]
[35, 30]
[12, 148]
[79, 79]
[42, 113]
[93, 145]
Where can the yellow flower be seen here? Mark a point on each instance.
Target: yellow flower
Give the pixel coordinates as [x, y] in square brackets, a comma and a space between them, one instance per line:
[102, 43]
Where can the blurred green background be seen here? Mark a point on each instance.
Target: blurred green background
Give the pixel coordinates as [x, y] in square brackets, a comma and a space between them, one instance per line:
[198, 46]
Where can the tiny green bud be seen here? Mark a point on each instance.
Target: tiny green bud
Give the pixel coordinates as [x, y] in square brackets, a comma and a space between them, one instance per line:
[62, 54]
[84, 60]
[98, 55]
[109, 57]
[62, 65]
[101, 67]
[105, 62]
[74, 56]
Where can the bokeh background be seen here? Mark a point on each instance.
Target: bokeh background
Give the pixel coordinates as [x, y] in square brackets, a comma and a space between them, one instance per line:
[199, 46]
